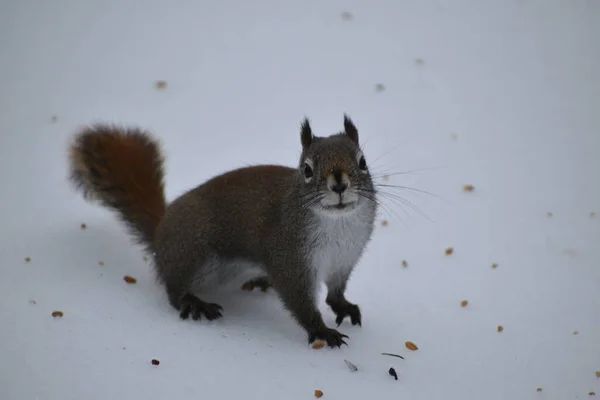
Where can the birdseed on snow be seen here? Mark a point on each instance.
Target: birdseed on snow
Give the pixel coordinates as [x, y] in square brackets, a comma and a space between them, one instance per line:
[318, 345]
[411, 346]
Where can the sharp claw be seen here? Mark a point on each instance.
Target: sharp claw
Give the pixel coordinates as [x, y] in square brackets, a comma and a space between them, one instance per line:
[184, 313]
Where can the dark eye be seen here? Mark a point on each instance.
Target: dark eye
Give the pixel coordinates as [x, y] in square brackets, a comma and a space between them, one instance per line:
[308, 172]
[362, 164]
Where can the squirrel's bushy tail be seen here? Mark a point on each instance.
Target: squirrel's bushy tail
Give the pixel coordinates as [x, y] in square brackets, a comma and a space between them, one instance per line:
[123, 169]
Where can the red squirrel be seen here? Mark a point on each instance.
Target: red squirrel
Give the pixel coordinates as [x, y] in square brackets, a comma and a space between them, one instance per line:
[289, 228]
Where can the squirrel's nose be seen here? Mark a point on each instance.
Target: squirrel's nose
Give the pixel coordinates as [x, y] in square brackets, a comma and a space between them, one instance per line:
[339, 187]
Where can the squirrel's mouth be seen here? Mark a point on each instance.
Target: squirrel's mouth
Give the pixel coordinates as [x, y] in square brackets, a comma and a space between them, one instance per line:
[340, 206]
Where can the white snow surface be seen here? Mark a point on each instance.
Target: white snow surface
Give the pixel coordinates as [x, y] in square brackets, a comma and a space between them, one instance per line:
[503, 95]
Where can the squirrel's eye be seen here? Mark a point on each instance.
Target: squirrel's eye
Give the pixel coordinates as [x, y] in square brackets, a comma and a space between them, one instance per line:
[308, 172]
[362, 164]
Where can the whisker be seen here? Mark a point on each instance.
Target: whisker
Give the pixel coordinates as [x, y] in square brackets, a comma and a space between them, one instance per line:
[384, 154]
[412, 171]
[370, 195]
[406, 203]
[408, 188]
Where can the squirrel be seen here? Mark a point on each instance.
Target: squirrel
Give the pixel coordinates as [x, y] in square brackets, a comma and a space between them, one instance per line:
[287, 228]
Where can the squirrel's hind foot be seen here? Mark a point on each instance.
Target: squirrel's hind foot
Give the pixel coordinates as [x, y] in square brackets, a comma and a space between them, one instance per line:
[194, 306]
[261, 282]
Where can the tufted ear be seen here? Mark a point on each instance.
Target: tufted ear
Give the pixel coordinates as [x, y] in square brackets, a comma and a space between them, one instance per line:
[306, 135]
[350, 129]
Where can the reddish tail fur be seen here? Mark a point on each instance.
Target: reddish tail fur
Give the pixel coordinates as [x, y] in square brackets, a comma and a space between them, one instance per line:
[123, 169]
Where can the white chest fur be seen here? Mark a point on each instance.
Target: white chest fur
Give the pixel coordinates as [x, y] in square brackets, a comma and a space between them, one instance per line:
[337, 243]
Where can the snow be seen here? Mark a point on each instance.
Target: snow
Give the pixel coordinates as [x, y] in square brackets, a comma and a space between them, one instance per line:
[500, 95]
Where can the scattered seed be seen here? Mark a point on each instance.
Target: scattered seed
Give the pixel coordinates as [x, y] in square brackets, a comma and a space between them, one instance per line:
[592, 393]
[393, 373]
[464, 303]
[318, 345]
[101, 263]
[592, 214]
[494, 265]
[379, 87]
[160, 84]
[83, 226]
[129, 279]
[411, 346]
[384, 223]
[392, 355]
[352, 367]
[549, 214]
[419, 61]
[449, 251]
[346, 16]
[598, 374]
[454, 137]
[386, 177]
[57, 314]
[468, 188]
[575, 332]
[404, 263]
[155, 362]
[32, 302]
[539, 389]
[145, 259]
[27, 259]
[318, 394]
[500, 328]
[54, 118]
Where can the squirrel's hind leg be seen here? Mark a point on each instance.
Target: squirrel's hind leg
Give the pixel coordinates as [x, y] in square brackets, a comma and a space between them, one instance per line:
[180, 284]
[191, 304]
[188, 304]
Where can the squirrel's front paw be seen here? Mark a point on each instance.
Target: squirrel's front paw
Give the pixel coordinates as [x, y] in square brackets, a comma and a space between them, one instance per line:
[331, 336]
[348, 310]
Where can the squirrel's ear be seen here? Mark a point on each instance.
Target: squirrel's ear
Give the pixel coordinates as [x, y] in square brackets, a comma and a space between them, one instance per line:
[306, 135]
[350, 129]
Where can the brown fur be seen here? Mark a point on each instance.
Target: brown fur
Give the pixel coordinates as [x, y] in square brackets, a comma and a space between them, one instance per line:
[121, 167]
[272, 222]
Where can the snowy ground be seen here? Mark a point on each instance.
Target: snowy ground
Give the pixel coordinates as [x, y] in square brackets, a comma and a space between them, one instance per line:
[501, 95]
